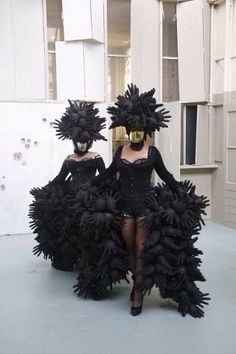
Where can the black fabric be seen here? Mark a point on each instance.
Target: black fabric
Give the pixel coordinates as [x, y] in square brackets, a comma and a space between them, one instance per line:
[102, 261]
[135, 179]
[171, 219]
[81, 123]
[171, 259]
[53, 220]
[81, 170]
[137, 146]
[168, 257]
[135, 110]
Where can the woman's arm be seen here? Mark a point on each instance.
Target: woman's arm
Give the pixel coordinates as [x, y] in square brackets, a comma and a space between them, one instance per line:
[109, 172]
[100, 165]
[163, 173]
[64, 171]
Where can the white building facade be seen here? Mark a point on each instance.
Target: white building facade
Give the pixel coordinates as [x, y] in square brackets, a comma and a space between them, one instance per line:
[52, 50]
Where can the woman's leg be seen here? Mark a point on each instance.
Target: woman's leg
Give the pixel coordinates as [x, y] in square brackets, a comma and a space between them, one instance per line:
[128, 233]
[141, 233]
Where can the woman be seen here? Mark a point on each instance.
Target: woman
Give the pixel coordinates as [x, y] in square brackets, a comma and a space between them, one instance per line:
[53, 220]
[152, 218]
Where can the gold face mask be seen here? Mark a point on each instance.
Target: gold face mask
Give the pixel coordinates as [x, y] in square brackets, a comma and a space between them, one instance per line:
[136, 136]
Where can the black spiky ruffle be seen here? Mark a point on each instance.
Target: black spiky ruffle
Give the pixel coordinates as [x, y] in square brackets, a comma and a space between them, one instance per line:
[103, 260]
[80, 228]
[51, 219]
[171, 260]
[84, 229]
[81, 123]
[135, 110]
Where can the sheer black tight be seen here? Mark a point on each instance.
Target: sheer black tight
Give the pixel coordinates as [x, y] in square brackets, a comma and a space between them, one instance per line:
[128, 233]
[134, 235]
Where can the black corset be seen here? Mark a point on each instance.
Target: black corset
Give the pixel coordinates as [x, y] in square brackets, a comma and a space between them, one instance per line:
[135, 177]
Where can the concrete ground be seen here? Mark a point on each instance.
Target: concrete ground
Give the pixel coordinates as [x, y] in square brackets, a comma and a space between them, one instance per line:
[40, 315]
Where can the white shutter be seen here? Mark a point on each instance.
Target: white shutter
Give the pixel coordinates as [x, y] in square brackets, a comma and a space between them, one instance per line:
[97, 15]
[94, 62]
[193, 46]
[29, 54]
[83, 19]
[234, 29]
[202, 136]
[230, 163]
[7, 80]
[232, 76]
[145, 46]
[218, 133]
[218, 48]
[70, 70]
[168, 139]
[80, 71]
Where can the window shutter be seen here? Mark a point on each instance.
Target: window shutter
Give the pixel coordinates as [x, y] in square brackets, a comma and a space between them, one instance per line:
[193, 47]
[70, 70]
[83, 20]
[29, 49]
[7, 79]
[80, 71]
[22, 61]
[202, 136]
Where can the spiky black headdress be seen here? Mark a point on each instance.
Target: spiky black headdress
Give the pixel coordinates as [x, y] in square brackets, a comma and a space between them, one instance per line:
[134, 110]
[81, 123]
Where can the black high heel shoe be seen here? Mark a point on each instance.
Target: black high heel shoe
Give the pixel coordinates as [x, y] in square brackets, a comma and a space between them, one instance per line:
[136, 310]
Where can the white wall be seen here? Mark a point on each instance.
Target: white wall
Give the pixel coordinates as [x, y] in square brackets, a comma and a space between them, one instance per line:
[145, 44]
[22, 59]
[202, 179]
[80, 59]
[145, 72]
[224, 94]
[193, 19]
[38, 164]
[168, 139]
[218, 34]
[80, 71]
[83, 20]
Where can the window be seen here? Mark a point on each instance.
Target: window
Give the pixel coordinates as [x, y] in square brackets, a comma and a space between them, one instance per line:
[54, 33]
[170, 76]
[190, 135]
[119, 63]
[119, 73]
[195, 137]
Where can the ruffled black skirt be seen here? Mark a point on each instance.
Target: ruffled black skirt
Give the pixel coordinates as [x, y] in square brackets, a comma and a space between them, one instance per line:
[171, 259]
[53, 222]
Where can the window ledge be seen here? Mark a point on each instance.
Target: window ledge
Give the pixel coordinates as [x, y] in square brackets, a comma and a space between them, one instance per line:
[198, 167]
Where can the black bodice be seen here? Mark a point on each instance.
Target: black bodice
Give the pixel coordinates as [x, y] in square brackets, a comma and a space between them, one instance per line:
[135, 176]
[80, 170]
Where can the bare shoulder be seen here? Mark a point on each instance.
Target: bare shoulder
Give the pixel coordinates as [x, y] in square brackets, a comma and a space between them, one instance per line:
[71, 157]
[125, 147]
[93, 154]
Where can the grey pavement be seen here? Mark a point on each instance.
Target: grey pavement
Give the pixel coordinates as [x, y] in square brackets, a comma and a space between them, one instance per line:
[41, 315]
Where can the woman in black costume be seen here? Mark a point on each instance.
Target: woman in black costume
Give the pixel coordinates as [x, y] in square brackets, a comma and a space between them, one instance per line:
[53, 221]
[157, 223]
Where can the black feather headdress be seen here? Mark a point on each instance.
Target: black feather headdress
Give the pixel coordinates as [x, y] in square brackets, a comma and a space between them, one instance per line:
[134, 110]
[81, 123]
